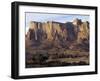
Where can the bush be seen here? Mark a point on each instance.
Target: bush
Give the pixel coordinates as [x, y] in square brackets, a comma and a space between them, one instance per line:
[40, 58]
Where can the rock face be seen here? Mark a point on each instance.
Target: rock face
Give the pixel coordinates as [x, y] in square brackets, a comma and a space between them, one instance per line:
[54, 36]
[60, 33]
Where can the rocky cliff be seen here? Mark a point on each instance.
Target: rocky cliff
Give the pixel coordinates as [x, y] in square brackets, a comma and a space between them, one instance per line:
[57, 34]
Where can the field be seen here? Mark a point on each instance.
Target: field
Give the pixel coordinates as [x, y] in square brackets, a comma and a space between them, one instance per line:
[59, 58]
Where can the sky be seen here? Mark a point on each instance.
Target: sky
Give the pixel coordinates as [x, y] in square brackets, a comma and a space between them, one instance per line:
[44, 17]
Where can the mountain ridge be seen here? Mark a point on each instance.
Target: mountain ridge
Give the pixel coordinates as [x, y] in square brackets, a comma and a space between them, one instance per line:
[59, 32]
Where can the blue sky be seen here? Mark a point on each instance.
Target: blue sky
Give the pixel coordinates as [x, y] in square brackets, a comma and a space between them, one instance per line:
[44, 17]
